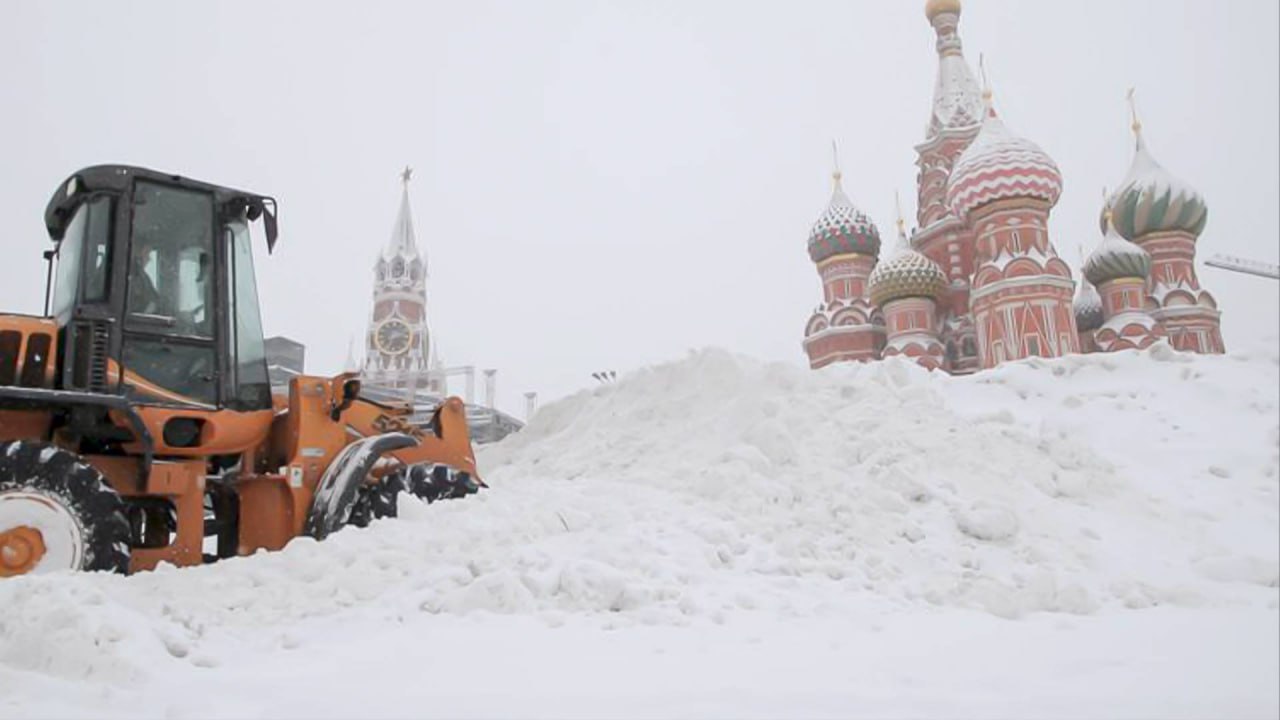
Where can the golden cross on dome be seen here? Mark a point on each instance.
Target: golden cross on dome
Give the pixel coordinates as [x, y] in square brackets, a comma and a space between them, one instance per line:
[835, 160]
[897, 205]
[982, 70]
[1133, 112]
[406, 174]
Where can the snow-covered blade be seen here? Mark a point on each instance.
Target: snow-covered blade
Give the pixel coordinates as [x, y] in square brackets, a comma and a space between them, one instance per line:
[336, 491]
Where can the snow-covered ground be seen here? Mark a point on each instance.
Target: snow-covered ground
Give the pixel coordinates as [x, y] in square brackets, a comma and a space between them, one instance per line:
[1086, 537]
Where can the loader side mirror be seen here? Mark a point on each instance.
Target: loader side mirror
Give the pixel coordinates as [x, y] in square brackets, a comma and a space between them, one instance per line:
[270, 226]
[350, 391]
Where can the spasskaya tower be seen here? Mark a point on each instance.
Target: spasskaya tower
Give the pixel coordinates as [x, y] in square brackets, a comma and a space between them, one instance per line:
[398, 342]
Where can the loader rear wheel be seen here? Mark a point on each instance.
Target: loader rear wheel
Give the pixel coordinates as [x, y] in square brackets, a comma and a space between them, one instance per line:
[57, 513]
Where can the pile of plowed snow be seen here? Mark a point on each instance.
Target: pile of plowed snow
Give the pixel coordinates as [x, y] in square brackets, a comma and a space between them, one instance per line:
[1067, 485]
[717, 484]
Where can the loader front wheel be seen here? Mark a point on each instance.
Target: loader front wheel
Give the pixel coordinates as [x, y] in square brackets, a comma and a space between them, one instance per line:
[57, 513]
[376, 501]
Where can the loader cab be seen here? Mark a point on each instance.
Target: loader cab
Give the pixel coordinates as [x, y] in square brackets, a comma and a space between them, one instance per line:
[153, 289]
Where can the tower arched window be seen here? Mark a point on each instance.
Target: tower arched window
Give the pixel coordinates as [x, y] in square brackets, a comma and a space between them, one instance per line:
[382, 270]
[397, 268]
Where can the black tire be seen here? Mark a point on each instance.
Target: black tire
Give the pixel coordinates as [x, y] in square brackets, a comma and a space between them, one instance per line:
[439, 482]
[75, 486]
[339, 486]
[374, 502]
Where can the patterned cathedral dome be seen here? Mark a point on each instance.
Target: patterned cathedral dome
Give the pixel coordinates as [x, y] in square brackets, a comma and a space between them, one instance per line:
[907, 274]
[1115, 258]
[1087, 307]
[1000, 165]
[842, 229]
[1151, 200]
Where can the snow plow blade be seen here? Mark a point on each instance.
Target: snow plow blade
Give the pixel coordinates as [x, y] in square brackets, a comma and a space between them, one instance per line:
[336, 491]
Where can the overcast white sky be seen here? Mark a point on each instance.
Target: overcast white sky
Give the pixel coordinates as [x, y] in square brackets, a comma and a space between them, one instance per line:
[605, 185]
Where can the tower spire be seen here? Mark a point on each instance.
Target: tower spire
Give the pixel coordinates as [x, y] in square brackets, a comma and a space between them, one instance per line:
[351, 365]
[901, 223]
[957, 104]
[403, 242]
[988, 96]
[1135, 124]
[836, 175]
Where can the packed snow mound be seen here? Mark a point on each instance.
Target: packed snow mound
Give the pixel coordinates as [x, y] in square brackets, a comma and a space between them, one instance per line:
[1131, 480]
[717, 484]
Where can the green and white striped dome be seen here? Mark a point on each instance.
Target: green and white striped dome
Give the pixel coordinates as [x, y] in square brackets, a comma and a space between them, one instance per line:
[1116, 258]
[1151, 200]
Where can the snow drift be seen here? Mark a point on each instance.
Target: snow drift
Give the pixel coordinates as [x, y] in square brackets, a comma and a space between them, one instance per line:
[1067, 485]
[717, 486]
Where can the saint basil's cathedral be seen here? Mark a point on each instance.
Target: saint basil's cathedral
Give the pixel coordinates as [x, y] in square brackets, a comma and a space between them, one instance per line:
[979, 282]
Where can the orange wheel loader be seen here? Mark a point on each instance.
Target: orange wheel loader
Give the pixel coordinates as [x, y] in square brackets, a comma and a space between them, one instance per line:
[137, 422]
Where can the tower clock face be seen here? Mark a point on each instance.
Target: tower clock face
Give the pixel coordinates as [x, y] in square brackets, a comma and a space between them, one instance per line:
[393, 337]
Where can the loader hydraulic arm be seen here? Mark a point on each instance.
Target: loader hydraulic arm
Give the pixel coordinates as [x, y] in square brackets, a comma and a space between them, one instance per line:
[375, 439]
[446, 442]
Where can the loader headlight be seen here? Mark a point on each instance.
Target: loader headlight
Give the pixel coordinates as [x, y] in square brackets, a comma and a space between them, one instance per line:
[183, 432]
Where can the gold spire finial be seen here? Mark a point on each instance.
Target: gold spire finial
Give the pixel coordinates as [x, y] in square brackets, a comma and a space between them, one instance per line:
[835, 163]
[934, 8]
[902, 224]
[1107, 212]
[406, 175]
[986, 84]
[1136, 125]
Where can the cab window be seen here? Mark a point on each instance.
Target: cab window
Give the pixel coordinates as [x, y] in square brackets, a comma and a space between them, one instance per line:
[252, 386]
[171, 272]
[98, 250]
[70, 250]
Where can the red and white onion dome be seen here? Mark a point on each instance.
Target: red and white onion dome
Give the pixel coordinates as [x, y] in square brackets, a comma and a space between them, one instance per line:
[1000, 165]
[907, 274]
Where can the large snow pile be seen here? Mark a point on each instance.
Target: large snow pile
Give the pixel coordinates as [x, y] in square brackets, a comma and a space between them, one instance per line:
[1068, 485]
[717, 488]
